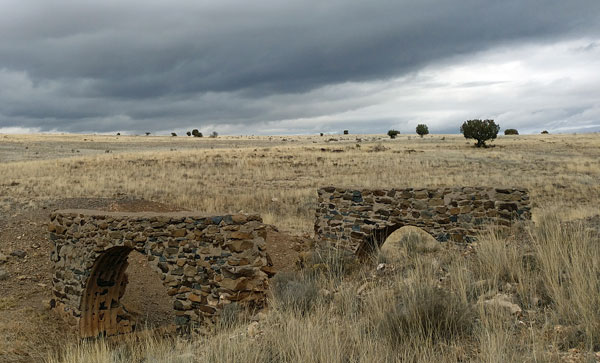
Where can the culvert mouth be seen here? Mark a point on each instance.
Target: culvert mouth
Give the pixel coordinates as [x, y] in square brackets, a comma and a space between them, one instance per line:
[124, 294]
[102, 313]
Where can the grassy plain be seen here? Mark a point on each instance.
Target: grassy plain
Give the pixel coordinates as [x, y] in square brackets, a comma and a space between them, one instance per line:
[422, 306]
[278, 178]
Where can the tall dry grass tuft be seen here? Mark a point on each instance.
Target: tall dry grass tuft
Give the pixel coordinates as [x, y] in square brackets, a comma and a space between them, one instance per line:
[146, 347]
[425, 311]
[569, 258]
[497, 258]
[507, 264]
[294, 292]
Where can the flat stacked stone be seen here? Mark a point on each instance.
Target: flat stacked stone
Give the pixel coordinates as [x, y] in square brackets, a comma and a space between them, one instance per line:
[206, 262]
[359, 219]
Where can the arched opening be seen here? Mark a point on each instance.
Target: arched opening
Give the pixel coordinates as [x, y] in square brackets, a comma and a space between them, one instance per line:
[146, 297]
[408, 239]
[103, 305]
[101, 311]
[375, 240]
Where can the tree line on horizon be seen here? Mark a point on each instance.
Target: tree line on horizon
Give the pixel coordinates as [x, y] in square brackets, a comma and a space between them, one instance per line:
[479, 130]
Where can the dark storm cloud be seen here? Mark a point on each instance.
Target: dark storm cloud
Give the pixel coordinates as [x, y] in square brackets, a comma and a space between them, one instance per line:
[89, 66]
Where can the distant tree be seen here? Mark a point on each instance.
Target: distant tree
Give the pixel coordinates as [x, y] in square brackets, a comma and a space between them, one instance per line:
[545, 132]
[196, 133]
[393, 133]
[511, 132]
[147, 134]
[214, 134]
[480, 130]
[321, 134]
[345, 132]
[173, 134]
[118, 134]
[422, 130]
[188, 133]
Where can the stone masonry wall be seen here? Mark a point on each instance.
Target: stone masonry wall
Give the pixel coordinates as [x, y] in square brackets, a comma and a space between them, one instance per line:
[205, 262]
[362, 219]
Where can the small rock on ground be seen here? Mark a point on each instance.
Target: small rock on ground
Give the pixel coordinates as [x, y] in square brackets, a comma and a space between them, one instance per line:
[18, 253]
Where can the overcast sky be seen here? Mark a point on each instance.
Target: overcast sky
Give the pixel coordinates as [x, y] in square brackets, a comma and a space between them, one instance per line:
[294, 67]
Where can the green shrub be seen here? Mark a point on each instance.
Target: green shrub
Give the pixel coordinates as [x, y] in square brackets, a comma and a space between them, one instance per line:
[422, 130]
[196, 133]
[393, 133]
[480, 130]
[511, 132]
[173, 134]
[545, 132]
[188, 133]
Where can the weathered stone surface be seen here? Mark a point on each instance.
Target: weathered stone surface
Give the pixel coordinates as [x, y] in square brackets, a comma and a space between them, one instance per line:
[189, 252]
[455, 214]
[241, 235]
[194, 298]
[179, 233]
[18, 253]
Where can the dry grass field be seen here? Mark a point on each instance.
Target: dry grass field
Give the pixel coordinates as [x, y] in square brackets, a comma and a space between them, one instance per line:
[530, 294]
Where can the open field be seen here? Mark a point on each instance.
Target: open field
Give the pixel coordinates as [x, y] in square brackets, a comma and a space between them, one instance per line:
[348, 315]
[278, 178]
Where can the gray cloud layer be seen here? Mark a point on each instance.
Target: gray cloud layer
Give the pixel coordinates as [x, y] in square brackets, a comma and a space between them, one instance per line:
[145, 65]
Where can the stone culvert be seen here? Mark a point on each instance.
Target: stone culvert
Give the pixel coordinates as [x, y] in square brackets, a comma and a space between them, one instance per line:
[206, 262]
[362, 219]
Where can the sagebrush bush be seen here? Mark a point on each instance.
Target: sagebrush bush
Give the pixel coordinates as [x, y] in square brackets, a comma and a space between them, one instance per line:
[428, 311]
[331, 262]
[511, 132]
[294, 292]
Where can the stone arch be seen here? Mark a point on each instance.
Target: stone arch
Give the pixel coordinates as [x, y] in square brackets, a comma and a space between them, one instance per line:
[393, 242]
[206, 262]
[379, 236]
[359, 219]
[376, 238]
